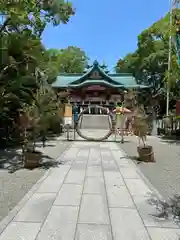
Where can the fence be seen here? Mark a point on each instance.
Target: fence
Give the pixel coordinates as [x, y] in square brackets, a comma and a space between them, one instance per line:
[168, 125]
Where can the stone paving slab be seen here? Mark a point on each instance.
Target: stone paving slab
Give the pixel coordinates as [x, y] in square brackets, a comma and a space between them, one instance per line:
[75, 177]
[53, 182]
[60, 224]
[69, 195]
[93, 232]
[37, 208]
[94, 185]
[97, 193]
[21, 231]
[94, 209]
[119, 197]
[131, 224]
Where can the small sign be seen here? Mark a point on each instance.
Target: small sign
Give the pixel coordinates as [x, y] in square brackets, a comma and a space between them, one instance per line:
[68, 110]
[95, 87]
[68, 121]
[95, 75]
[94, 99]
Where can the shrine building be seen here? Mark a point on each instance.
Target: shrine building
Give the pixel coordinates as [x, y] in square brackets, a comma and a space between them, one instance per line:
[96, 86]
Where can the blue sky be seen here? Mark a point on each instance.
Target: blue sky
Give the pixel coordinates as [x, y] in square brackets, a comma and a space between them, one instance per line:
[106, 29]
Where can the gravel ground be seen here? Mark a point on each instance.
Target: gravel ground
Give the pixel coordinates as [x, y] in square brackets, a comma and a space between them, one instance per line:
[14, 186]
[164, 174]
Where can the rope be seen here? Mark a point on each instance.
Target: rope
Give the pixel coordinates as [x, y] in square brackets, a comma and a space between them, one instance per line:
[91, 138]
[148, 154]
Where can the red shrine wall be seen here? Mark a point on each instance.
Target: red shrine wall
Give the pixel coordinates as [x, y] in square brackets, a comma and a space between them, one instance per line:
[95, 96]
[96, 93]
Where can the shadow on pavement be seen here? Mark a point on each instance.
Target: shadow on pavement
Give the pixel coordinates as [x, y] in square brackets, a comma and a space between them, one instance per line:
[83, 140]
[171, 139]
[136, 159]
[46, 164]
[11, 160]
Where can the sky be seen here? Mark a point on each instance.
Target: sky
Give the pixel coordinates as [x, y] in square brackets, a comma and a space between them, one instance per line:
[106, 29]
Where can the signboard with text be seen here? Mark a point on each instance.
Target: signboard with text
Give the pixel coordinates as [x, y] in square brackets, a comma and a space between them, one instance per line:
[95, 99]
[95, 88]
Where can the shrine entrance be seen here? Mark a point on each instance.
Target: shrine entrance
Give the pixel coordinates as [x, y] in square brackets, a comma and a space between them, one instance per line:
[95, 94]
[92, 123]
[93, 127]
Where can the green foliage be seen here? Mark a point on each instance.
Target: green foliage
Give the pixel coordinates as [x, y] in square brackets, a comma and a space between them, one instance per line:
[43, 114]
[72, 60]
[69, 60]
[34, 15]
[25, 64]
[149, 63]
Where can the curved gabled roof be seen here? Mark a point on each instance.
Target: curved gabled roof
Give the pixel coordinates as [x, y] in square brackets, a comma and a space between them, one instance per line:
[105, 83]
[121, 80]
[95, 67]
[94, 82]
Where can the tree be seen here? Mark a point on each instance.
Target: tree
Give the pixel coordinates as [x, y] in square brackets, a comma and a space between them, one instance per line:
[35, 14]
[71, 60]
[128, 65]
[149, 63]
[24, 60]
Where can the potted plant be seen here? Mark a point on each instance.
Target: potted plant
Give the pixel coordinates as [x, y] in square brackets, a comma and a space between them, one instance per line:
[140, 128]
[30, 156]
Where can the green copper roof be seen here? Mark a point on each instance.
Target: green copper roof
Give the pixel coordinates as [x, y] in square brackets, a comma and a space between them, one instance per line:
[94, 82]
[96, 75]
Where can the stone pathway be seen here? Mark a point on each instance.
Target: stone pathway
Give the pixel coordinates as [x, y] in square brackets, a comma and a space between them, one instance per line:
[14, 186]
[164, 173]
[95, 194]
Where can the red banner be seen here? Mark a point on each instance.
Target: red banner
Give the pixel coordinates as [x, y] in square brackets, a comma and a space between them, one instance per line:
[178, 108]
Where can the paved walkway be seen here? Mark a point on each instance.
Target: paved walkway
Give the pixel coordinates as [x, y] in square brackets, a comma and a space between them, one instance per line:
[164, 173]
[95, 194]
[14, 186]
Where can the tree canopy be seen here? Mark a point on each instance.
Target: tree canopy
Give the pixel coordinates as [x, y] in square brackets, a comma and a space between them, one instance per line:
[69, 60]
[25, 63]
[149, 63]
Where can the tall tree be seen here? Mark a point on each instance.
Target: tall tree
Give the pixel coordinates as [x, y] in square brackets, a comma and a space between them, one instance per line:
[72, 60]
[149, 63]
[23, 57]
[35, 14]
